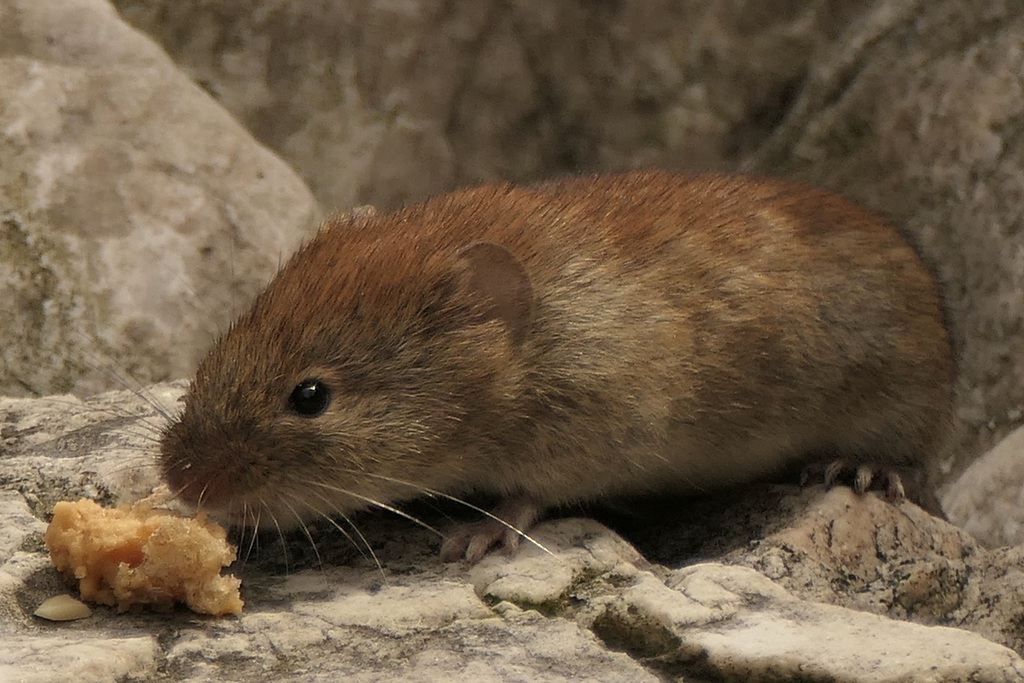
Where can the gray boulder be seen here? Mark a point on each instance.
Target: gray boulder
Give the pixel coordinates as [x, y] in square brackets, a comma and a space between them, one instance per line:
[136, 215]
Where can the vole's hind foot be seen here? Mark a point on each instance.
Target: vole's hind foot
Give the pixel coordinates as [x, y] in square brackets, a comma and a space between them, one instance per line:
[505, 527]
[863, 477]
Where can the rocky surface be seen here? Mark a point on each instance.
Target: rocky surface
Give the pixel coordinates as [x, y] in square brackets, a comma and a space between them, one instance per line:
[136, 216]
[770, 582]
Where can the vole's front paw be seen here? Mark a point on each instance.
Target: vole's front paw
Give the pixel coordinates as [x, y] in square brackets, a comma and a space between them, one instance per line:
[505, 527]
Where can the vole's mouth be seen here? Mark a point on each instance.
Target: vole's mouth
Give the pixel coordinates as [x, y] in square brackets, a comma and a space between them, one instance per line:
[198, 488]
[248, 513]
[234, 498]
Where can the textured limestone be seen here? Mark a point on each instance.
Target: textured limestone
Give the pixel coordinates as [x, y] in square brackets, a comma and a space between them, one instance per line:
[855, 552]
[382, 102]
[733, 623]
[780, 583]
[41, 657]
[136, 215]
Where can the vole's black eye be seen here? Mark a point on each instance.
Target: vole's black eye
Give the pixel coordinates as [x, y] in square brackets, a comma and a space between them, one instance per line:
[310, 397]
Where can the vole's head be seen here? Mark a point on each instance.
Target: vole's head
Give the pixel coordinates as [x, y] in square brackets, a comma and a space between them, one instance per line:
[357, 377]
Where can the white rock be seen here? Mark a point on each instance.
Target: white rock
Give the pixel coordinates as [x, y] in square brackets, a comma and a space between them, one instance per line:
[756, 630]
[82, 656]
[987, 500]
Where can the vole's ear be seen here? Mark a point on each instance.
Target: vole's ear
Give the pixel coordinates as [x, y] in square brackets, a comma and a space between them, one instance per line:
[491, 273]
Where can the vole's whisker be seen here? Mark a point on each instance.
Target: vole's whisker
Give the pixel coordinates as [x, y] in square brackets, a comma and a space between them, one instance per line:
[181, 489]
[138, 390]
[303, 526]
[81, 407]
[247, 511]
[137, 459]
[460, 501]
[280, 534]
[204, 313]
[125, 467]
[146, 422]
[151, 438]
[202, 495]
[148, 435]
[369, 548]
[375, 503]
[326, 515]
[362, 538]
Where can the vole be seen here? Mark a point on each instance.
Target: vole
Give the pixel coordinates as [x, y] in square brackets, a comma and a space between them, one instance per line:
[565, 342]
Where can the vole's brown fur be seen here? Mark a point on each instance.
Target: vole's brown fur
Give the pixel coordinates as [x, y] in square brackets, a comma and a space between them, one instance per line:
[629, 333]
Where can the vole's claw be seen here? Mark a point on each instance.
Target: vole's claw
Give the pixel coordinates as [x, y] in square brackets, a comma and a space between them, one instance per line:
[863, 477]
[894, 491]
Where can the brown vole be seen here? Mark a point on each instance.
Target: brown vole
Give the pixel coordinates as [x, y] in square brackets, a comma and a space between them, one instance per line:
[569, 341]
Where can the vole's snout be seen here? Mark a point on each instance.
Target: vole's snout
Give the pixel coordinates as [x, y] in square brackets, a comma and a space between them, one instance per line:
[188, 483]
[188, 478]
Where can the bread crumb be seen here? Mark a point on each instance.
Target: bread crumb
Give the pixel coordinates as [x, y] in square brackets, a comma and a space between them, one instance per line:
[137, 555]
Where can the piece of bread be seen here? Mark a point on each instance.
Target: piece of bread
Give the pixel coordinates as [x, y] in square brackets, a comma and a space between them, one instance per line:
[137, 555]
